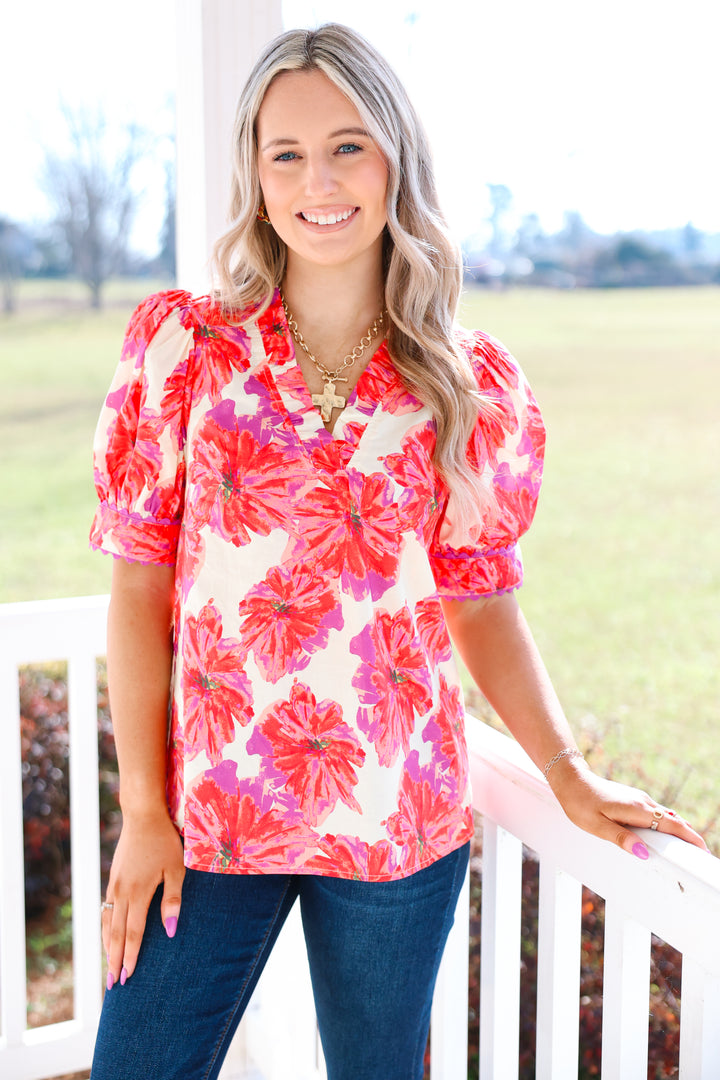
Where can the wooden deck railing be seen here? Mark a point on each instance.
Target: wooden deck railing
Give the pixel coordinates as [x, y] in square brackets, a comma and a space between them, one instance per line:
[676, 894]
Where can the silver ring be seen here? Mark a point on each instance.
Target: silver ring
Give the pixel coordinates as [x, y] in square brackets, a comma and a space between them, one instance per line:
[106, 906]
[657, 817]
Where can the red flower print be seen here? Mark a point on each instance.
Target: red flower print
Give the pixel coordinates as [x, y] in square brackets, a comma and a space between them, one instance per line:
[487, 351]
[427, 823]
[220, 350]
[230, 831]
[392, 680]
[351, 857]
[314, 750]
[172, 404]
[467, 573]
[239, 486]
[131, 537]
[381, 384]
[425, 492]
[133, 456]
[351, 530]
[287, 618]
[216, 691]
[431, 627]
[332, 457]
[445, 730]
[275, 332]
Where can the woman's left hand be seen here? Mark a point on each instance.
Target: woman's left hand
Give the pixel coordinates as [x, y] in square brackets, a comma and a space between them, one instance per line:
[611, 810]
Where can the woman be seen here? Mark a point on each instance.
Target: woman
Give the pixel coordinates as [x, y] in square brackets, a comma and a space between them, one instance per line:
[309, 480]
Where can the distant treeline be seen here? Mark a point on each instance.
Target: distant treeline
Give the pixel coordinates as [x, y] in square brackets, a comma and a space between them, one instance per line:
[578, 256]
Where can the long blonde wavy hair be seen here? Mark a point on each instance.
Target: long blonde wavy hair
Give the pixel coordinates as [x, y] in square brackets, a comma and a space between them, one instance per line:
[423, 266]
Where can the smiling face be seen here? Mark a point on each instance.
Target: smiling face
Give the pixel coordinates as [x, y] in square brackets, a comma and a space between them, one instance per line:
[323, 178]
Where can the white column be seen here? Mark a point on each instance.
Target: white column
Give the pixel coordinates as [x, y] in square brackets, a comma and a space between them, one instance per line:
[218, 41]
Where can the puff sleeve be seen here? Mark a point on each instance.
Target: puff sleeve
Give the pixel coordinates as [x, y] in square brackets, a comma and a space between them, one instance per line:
[507, 449]
[140, 437]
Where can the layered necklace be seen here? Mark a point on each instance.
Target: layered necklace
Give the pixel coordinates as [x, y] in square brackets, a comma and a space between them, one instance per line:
[329, 399]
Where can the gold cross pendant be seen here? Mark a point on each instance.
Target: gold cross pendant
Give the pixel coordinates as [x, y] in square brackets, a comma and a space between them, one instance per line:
[328, 400]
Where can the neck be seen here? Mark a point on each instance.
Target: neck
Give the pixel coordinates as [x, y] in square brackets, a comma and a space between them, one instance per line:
[333, 306]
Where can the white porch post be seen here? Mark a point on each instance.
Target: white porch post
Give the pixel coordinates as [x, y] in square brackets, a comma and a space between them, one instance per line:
[217, 43]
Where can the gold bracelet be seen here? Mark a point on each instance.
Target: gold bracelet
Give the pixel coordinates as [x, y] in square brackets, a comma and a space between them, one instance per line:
[569, 751]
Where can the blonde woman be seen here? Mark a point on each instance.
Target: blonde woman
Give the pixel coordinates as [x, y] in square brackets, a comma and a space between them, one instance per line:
[312, 481]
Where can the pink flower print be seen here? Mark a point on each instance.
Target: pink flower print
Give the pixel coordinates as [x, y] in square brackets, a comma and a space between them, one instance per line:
[230, 831]
[191, 557]
[431, 627]
[291, 381]
[427, 823]
[239, 486]
[175, 765]
[314, 750]
[445, 731]
[392, 681]
[352, 531]
[132, 539]
[216, 691]
[425, 493]
[287, 618]
[146, 320]
[351, 857]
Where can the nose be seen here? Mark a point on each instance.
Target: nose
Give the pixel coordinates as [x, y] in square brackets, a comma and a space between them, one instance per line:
[319, 177]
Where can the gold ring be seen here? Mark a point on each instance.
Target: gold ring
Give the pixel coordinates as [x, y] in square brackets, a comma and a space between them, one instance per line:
[657, 817]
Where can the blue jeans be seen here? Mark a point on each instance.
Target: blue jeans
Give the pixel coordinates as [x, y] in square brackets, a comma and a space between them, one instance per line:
[374, 950]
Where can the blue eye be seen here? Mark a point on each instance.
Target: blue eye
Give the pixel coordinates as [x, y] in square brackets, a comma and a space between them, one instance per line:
[287, 155]
[349, 148]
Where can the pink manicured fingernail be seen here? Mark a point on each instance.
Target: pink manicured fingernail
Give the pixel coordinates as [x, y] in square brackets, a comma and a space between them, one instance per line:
[171, 926]
[640, 850]
[110, 980]
[123, 975]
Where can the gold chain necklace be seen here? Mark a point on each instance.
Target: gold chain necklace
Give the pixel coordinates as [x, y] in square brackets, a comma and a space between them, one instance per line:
[329, 400]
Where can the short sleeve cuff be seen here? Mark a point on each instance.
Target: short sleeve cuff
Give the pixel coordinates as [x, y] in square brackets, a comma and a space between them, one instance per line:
[469, 574]
[133, 537]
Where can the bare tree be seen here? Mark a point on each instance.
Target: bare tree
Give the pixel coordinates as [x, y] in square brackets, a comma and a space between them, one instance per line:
[91, 192]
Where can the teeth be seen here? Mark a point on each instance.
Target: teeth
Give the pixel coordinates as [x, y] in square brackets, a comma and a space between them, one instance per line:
[328, 219]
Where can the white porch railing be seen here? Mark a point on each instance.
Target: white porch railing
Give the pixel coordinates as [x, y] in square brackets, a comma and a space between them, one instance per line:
[676, 894]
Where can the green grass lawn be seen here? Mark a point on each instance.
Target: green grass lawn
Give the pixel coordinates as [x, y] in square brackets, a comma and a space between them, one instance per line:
[623, 560]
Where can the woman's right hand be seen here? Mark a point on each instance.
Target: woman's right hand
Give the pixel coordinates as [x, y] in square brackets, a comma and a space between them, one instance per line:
[149, 853]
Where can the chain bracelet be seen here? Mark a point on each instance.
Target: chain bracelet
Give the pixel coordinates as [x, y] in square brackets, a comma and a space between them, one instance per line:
[569, 751]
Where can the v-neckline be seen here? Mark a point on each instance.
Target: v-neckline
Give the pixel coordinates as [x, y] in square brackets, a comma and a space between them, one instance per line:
[293, 393]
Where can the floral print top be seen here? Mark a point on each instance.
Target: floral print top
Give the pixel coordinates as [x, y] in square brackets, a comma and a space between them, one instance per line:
[317, 720]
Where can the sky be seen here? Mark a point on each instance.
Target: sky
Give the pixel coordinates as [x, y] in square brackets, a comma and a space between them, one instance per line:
[607, 109]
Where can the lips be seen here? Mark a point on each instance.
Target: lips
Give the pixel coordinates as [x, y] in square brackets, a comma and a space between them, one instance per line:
[328, 216]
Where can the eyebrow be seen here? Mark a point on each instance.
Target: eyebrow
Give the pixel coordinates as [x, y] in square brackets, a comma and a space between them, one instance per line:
[287, 141]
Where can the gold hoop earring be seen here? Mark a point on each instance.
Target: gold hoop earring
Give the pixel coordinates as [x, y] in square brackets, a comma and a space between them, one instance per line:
[262, 214]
